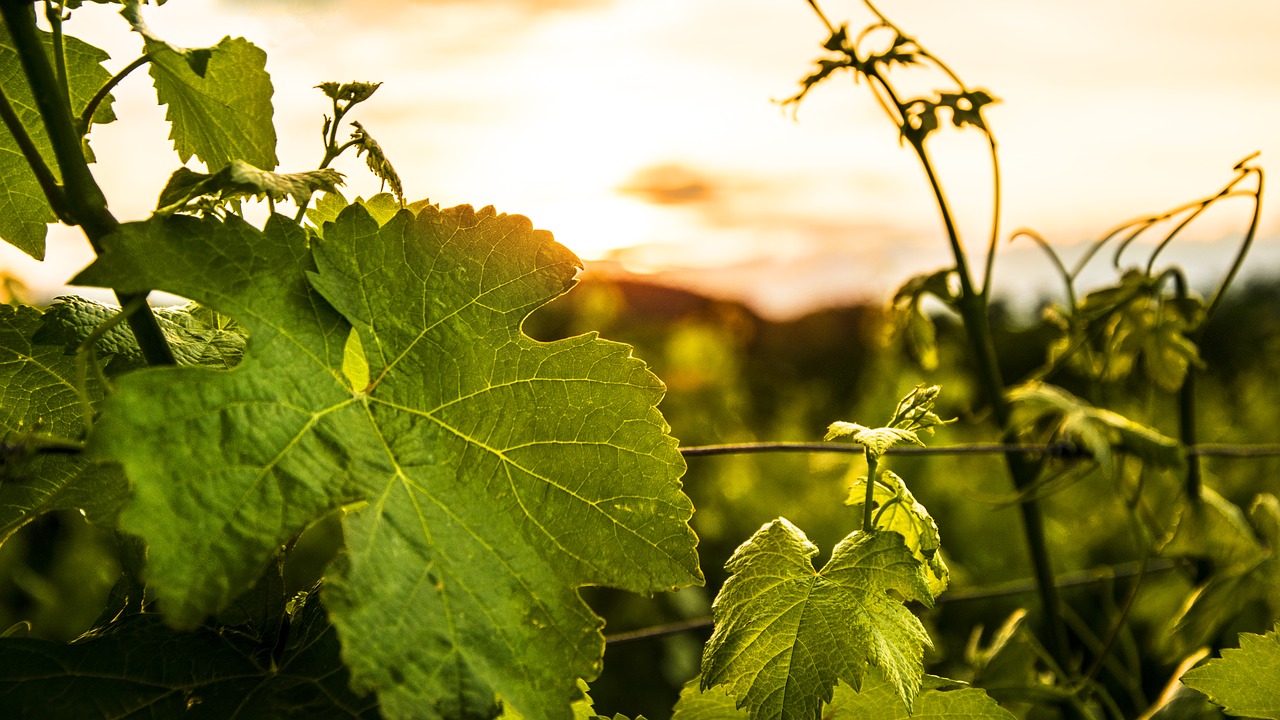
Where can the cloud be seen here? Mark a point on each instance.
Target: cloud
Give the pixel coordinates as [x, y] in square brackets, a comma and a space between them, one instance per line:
[523, 5]
[668, 184]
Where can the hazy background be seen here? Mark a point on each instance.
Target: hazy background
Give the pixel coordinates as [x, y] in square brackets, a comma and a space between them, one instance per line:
[642, 131]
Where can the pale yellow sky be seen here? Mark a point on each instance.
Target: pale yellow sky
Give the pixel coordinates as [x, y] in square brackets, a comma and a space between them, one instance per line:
[647, 124]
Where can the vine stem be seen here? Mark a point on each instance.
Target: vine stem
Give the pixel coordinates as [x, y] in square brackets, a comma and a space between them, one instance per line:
[868, 520]
[972, 306]
[86, 117]
[86, 205]
[48, 183]
[1057, 450]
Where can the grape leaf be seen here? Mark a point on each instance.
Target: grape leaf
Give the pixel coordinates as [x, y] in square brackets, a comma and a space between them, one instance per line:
[1098, 431]
[349, 93]
[382, 207]
[939, 698]
[899, 511]
[713, 703]
[877, 441]
[496, 474]
[127, 670]
[377, 160]
[909, 321]
[240, 179]
[1118, 325]
[197, 335]
[785, 634]
[39, 406]
[583, 708]
[1245, 681]
[966, 107]
[1241, 578]
[1215, 529]
[24, 211]
[218, 98]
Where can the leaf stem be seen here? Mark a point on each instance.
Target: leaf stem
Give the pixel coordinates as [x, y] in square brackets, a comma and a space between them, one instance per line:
[86, 117]
[54, 15]
[86, 205]
[868, 520]
[972, 306]
[331, 150]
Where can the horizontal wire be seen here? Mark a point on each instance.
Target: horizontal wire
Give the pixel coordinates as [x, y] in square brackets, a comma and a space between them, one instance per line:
[1066, 450]
[1022, 586]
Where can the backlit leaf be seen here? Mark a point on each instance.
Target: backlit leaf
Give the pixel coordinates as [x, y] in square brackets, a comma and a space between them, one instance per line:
[1240, 579]
[966, 107]
[939, 699]
[877, 441]
[896, 509]
[377, 161]
[1048, 409]
[488, 476]
[785, 634]
[218, 98]
[1245, 681]
[240, 179]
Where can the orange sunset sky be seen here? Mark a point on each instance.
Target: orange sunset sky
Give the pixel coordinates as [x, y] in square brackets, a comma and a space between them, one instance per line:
[643, 131]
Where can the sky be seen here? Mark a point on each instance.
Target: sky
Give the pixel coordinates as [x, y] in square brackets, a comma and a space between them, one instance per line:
[645, 134]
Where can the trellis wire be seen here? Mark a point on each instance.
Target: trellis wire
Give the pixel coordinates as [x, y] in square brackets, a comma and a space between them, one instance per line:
[1066, 450]
[1020, 586]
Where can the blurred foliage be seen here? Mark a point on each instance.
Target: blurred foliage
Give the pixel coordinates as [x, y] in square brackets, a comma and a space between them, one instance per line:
[735, 377]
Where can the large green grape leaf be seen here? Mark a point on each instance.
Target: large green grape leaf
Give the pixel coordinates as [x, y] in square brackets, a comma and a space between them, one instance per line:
[1245, 681]
[136, 667]
[24, 211]
[41, 408]
[785, 634]
[939, 699]
[218, 98]
[496, 474]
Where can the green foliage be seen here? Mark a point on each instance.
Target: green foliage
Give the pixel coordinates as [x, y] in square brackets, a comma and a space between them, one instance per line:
[939, 698]
[910, 321]
[897, 510]
[197, 334]
[189, 190]
[218, 98]
[785, 634]
[1115, 328]
[913, 414]
[487, 458]
[1243, 555]
[355, 401]
[877, 700]
[1048, 412]
[1245, 681]
[24, 210]
[127, 669]
[45, 405]
[377, 161]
